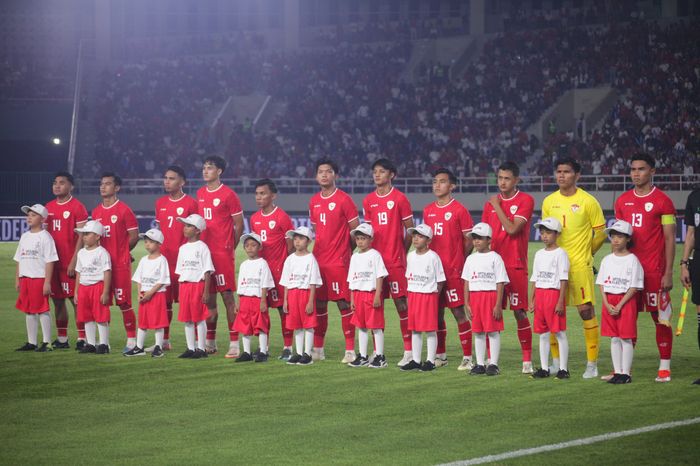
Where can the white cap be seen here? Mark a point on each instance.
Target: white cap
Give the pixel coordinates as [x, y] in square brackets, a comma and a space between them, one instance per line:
[92, 226]
[364, 228]
[37, 209]
[620, 226]
[421, 229]
[153, 234]
[251, 235]
[195, 220]
[303, 231]
[550, 223]
[481, 229]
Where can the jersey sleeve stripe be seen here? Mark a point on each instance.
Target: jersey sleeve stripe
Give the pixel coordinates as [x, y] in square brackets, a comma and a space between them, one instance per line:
[598, 227]
[237, 213]
[354, 218]
[134, 228]
[520, 216]
[407, 217]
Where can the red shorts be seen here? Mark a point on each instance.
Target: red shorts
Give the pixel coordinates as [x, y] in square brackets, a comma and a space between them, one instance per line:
[89, 307]
[515, 293]
[121, 285]
[224, 276]
[153, 314]
[422, 312]
[62, 286]
[335, 284]
[31, 299]
[452, 295]
[648, 299]
[250, 321]
[395, 284]
[623, 325]
[546, 320]
[192, 309]
[297, 318]
[482, 304]
[366, 315]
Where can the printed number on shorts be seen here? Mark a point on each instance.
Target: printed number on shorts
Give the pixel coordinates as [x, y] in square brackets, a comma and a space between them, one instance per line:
[382, 218]
[65, 286]
[652, 299]
[119, 293]
[220, 280]
[207, 213]
[336, 287]
[394, 287]
[514, 299]
[452, 295]
[438, 229]
[273, 295]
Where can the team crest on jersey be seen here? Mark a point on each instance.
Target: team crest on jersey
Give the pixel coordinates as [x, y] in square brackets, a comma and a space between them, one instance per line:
[113, 218]
[331, 206]
[575, 208]
[513, 209]
[648, 206]
[217, 201]
[66, 214]
[390, 205]
[448, 215]
[272, 224]
[180, 210]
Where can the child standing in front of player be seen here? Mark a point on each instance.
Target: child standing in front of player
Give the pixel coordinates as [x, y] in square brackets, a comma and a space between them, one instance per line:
[485, 277]
[550, 276]
[152, 277]
[194, 266]
[254, 281]
[300, 278]
[365, 279]
[620, 277]
[36, 255]
[425, 277]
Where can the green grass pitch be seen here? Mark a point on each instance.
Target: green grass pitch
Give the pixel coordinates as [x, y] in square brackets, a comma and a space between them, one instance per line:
[63, 408]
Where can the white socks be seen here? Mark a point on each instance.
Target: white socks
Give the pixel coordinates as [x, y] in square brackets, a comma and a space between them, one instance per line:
[378, 341]
[563, 343]
[103, 330]
[363, 340]
[495, 346]
[91, 333]
[32, 327]
[299, 340]
[140, 338]
[480, 348]
[246, 343]
[308, 340]
[417, 345]
[160, 333]
[263, 342]
[202, 334]
[432, 345]
[627, 355]
[189, 335]
[544, 350]
[45, 321]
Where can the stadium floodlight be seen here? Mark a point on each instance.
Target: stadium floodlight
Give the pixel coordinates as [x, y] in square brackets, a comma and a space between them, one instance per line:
[56, 141]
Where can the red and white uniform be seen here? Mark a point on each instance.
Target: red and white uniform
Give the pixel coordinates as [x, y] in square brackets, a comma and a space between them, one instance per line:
[218, 207]
[193, 262]
[272, 228]
[387, 214]
[512, 248]
[423, 274]
[646, 214]
[331, 217]
[149, 273]
[365, 268]
[63, 218]
[548, 270]
[92, 265]
[118, 219]
[167, 212]
[617, 275]
[449, 223]
[484, 271]
[33, 252]
[298, 274]
[253, 276]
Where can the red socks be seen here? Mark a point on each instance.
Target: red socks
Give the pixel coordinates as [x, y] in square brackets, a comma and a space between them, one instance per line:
[321, 327]
[348, 329]
[664, 338]
[166, 331]
[129, 323]
[211, 330]
[525, 338]
[232, 334]
[441, 336]
[81, 330]
[286, 333]
[465, 337]
[62, 327]
[405, 333]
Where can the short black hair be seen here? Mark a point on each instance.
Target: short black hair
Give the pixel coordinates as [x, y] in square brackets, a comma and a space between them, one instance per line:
[177, 169]
[65, 175]
[575, 166]
[117, 179]
[330, 162]
[267, 182]
[511, 167]
[644, 158]
[217, 161]
[386, 164]
[446, 171]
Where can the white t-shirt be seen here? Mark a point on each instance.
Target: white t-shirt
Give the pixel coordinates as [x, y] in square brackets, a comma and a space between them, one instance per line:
[34, 251]
[618, 274]
[424, 272]
[151, 272]
[92, 265]
[253, 276]
[550, 268]
[300, 272]
[484, 271]
[365, 269]
[193, 261]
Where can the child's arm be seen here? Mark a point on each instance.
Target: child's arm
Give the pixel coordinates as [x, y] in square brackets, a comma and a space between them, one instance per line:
[150, 293]
[378, 293]
[531, 300]
[561, 302]
[497, 309]
[352, 301]
[205, 295]
[17, 278]
[77, 285]
[625, 299]
[106, 286]
[611, 309]
[48, 273]
[263, 300]
[312, 299]
[285, 307]
[467, 307]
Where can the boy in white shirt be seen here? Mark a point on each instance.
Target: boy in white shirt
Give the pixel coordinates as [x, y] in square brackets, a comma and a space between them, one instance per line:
[153, 278]
[365, 279]
[300, 278]
[485, 277]
[35, 256]
[620, 277]
[550, 278]
[194, 266]
[93, 279]
[425, 277]
[254, 281]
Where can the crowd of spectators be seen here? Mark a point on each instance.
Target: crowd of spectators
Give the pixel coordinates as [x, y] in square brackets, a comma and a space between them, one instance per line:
[31, 80]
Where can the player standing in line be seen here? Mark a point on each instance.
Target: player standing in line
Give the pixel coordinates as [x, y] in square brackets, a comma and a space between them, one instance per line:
[66, 213]
[451, 223]
[690, 269]
[652, 215]
[221, 209]
[121, 233]
[389, 212]
[272, 223]
[509, 214]
[333, 214]
[168, 208]
[582, 235]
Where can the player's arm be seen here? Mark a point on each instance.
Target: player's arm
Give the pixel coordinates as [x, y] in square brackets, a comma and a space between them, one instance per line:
[285, 307]
[77, 285]
[688, 247]
[468, 245]
[106, 286]
[48, 273]
[378, 292]
[17, 277]
[133, 238]
[670, 248]
[78, 247]
[408, 240]
[512, 227]
[561, 302]
[237, 230]
[290, 245]
[352, 224]
[312, 300]
[497, 309]
[263, 300]
[531, 297]
[598, 238]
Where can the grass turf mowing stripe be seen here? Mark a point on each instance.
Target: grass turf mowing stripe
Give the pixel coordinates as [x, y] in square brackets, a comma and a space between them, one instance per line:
[574, 443]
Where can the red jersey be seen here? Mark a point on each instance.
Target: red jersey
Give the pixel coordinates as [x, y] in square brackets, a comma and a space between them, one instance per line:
[167, 212]
[61, 222]
[512, 248]
[449, 223]
[117, 219]
[218, 207]
[272, 229]
[647, 214]
[387, 214]
[330, 217]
